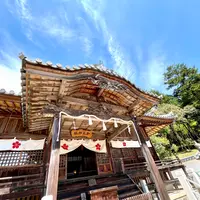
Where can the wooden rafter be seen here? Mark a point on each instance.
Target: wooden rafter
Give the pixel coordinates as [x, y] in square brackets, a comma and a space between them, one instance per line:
[100, 91]
[62, 88]
[78, 101]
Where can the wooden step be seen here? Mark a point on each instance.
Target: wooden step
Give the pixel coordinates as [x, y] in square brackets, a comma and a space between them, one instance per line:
[70, 190]
[73, 198]
[127, 187]
[83, 188]
[129, 194]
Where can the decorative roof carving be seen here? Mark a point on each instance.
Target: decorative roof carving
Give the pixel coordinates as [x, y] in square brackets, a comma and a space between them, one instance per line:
[100, 110]
[105, 83]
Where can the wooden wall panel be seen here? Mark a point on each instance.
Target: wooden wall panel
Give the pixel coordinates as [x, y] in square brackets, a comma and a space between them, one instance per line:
[103, 163]
[11, 125]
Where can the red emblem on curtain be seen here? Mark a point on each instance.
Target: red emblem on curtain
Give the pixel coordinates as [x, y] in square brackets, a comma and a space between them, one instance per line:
[15, 145]
[64, 146]
[98, 147]
[124, 144]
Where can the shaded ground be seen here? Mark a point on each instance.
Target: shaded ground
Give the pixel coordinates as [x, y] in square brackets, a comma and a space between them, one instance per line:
[185, 154]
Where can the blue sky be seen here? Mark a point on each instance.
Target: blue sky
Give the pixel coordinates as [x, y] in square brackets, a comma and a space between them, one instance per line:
[136, 38]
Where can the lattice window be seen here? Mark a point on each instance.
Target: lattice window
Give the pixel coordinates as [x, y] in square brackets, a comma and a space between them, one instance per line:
[103, 163]
[128, 153]
[102, 158]
[116, 153]
[62, 161]
[20, 158]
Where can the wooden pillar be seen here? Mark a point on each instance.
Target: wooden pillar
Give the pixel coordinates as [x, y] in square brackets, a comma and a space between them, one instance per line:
[110, 156]
[66, 164]
[52, 181]
[151, 163]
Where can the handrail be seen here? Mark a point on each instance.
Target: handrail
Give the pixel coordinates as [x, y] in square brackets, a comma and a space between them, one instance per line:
[194, 192]
[126, 165]
[193, 182]
[19, 177]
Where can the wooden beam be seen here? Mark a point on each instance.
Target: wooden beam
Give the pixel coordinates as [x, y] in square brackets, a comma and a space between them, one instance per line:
[23, 136]
[9, 97]
[118, 131]
[131, 107]
[83, 102]
[151, 163]
[100, 91]
[53, 172]
[62, 88]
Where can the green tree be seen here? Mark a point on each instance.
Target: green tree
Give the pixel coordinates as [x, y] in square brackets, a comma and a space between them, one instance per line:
[162, 146]
[186, 84]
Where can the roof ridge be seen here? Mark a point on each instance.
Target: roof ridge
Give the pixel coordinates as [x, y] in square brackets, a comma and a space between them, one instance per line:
[11, 92]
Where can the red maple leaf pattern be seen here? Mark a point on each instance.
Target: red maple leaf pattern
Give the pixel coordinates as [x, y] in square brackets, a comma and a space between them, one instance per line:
[98, 147]
[15, 145]
[64, 146]
[124, 144]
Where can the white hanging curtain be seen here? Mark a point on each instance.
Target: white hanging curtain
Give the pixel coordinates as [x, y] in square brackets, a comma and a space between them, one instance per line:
[67, 146]
[21, 145]
[127, 144]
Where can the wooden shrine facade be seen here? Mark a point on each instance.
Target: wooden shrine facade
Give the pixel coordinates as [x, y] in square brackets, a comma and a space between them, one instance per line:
[94, 125]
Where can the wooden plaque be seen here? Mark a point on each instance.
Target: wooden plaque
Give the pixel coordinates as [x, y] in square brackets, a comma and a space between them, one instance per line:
[81, 133]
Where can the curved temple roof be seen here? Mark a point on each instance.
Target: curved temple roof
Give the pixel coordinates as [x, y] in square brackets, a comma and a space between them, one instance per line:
[82, 89]
[43, 83]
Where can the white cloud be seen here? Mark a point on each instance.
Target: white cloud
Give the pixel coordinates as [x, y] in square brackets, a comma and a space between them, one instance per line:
[9, 60]
[154, 67]
[52, 23]
[10, 72]
[23, 10]
[9, 65]
[10, 79]
[122, 64]
[87, 45]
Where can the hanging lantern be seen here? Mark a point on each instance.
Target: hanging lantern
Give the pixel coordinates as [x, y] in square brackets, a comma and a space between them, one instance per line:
[74, 123]
[104, 126]
[115, 123]
[90, 121]
[129, 129]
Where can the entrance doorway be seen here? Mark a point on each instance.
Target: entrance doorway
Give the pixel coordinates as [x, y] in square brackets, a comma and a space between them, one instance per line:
[81, 162]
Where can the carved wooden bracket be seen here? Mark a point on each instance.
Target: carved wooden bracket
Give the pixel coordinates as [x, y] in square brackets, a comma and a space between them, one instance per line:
[98, 110]
[105, 83]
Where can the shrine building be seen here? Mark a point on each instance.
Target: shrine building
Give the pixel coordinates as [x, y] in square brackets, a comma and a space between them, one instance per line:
[80, 132]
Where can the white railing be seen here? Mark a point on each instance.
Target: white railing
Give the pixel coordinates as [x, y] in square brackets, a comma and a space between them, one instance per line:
[191, 187]
[197, 186]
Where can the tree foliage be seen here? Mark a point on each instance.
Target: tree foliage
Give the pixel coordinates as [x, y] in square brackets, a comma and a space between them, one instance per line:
[185, 82]
[184, 103]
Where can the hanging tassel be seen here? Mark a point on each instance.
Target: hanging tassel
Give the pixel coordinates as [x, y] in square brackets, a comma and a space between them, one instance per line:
[74, 124]
[115, 123]
[129, 129]
[90, 121]
[104, 126]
